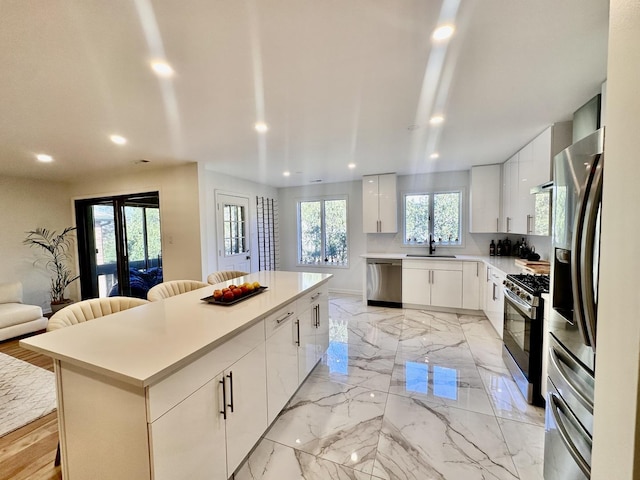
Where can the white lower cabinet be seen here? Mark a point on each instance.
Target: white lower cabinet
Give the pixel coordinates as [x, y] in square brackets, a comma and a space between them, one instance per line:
[432, 283]
[210, 432]
[246, 410]
[494, 299]
[282, 359]
[313, 324]
[471, 272]
[189, 441]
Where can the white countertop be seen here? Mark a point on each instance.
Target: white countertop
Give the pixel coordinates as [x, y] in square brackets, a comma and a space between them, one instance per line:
[142, 345]
[505, 264]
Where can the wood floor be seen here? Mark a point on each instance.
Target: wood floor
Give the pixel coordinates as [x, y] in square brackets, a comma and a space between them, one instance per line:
[28, 453]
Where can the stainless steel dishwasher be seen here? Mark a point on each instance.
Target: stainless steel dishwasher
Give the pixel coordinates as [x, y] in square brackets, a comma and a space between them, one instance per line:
[384, 282]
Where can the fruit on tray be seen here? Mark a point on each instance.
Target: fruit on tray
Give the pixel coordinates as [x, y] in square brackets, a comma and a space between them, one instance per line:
[228, 296]
[217, 294]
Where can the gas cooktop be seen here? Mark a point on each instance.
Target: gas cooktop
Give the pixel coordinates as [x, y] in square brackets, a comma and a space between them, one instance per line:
[533, 284]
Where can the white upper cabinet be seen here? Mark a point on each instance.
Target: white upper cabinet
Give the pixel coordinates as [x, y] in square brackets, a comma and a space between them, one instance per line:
[510, 199]
[485, 199]
[522, 212]
[380, 203]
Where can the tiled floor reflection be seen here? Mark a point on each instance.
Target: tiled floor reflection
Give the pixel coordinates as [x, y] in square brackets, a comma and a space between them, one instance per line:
[404, 394]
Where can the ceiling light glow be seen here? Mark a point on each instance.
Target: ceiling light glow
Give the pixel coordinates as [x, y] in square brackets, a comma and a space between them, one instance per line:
[261, 127]
[443, 32]
[436, 120]
[286, 174]
[44, 158]
[162, 68]
[434, 155]
[118, 139]
[352, 166]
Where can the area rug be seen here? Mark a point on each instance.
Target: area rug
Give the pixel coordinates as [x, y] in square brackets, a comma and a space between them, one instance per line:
[27, 393]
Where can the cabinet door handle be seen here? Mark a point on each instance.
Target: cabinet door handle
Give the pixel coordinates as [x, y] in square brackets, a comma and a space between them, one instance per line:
[508, 221]
[488, 274]
[230, 377]
[529, 217]
[316, 312]
[284, 317]
[497, 224]
[494, 292]
[477, 269]
[224, 399]
[316, 296]
[298, 329]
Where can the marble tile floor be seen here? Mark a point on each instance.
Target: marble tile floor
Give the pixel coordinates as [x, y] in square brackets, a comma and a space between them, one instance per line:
[404, 394]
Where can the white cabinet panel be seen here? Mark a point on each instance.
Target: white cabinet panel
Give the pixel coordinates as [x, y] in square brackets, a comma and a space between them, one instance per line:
[446, 288]
[379, 203]
[494, 309]
[432, 283]
[188, 442]
[416, 287]
[471, 272]
[282, 366]
[246, 405]
[485, 198]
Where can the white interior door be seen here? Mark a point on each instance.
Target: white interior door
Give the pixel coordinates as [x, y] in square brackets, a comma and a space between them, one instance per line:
[234, 249]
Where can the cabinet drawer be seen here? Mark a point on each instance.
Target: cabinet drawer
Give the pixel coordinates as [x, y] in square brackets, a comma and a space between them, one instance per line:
[167, 393]
[432, 264]
[279, 318]
[314, 296]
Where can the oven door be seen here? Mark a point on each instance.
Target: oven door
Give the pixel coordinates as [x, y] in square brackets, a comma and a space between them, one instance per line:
[518, 329]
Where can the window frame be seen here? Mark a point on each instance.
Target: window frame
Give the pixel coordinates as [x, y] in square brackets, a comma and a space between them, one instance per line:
[431, 194]
[322, 200]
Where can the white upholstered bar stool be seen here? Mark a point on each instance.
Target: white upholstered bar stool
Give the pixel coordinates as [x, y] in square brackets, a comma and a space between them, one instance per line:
[224, 275]
[172, 288]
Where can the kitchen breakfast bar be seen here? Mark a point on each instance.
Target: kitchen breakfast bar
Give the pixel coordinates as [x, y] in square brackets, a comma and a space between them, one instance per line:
[180, 388]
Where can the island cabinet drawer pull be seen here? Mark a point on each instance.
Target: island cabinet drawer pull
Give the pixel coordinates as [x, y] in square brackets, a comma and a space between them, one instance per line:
[298, 329]
[230, 377]
[284, 317]
[224, 399]
[316, 296]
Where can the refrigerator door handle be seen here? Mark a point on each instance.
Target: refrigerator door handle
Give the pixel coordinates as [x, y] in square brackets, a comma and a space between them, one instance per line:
[577, 263]
[556, 405]
[587, 248]
[556, 358]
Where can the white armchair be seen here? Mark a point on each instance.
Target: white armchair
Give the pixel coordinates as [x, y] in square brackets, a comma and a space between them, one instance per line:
[16, 318]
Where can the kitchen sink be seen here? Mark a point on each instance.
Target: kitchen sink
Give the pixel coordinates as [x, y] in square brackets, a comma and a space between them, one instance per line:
[426, 255]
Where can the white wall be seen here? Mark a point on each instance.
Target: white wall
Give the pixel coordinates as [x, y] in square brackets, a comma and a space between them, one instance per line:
[26, 205]
[349, 279]
[179, 212]
[616, 452]
[210, 182]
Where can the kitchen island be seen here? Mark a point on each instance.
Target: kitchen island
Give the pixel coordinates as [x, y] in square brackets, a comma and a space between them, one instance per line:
[181, 388]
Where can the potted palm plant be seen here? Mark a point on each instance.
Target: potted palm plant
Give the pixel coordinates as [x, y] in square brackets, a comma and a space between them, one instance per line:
[55, 256]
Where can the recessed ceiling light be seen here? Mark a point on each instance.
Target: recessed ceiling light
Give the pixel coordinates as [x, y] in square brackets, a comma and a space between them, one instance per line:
[442, 32]
[436, 120]
[44, 158]
[118, 139]
[162, 68]
[352, 166]
[261, 127]
[434, 155]
[286, 174]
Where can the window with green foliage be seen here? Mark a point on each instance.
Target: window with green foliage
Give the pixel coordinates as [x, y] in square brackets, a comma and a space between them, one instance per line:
[322, 232]
[437, 214]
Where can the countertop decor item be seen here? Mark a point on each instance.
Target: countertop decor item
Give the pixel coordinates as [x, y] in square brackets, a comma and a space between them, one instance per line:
[215, 301]
[55, 257]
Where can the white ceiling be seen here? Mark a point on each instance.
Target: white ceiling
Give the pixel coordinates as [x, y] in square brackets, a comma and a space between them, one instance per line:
[337, 81]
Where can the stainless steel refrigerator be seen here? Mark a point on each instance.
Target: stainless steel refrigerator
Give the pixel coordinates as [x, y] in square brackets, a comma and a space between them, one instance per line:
[577, 198]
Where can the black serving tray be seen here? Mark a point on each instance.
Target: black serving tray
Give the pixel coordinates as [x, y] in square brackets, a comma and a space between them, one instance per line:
[212, 300]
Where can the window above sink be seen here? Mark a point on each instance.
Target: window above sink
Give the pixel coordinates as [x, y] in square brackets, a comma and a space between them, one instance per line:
[445, 208]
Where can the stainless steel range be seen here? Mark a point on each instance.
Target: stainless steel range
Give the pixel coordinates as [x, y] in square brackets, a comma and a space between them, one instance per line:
[522, 335]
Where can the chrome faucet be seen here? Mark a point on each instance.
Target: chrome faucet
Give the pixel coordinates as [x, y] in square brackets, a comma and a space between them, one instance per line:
[432, 245]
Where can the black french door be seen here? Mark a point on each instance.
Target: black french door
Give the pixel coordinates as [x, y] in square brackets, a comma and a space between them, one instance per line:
[119, 245]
